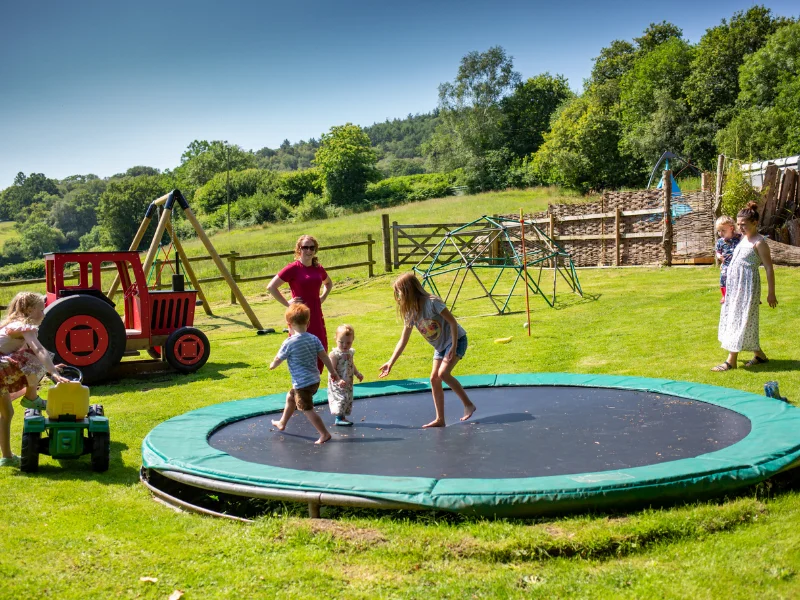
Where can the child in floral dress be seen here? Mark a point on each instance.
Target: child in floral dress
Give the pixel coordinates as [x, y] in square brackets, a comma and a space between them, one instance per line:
[340, 399]
[23, 362]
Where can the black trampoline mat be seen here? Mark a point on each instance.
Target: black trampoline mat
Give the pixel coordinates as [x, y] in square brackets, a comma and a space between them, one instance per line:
[516, 432]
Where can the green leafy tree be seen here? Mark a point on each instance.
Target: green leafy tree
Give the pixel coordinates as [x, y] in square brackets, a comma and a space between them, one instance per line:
[239, 184]
[15, 200]
[527, 112]
[766, 122]
[612, 62]
[469, 134]
[346, 161]
[202, 160]
[655, 35]
[123, 205]
[582, 151]
[712, 86]
[41, 238]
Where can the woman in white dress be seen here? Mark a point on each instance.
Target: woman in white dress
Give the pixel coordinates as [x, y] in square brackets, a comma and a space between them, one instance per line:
[738, 321]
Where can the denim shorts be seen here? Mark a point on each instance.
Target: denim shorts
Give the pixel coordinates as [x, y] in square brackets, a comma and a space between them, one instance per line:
[461, 349]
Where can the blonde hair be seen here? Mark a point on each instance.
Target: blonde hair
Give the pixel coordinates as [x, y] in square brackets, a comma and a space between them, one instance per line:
[410, 296]
[298, 314]
[21, 307]
[298, 252]
[724, 220]
[343, 330]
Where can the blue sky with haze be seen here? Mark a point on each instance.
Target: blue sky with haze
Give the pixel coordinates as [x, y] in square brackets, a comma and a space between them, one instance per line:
[98, 87]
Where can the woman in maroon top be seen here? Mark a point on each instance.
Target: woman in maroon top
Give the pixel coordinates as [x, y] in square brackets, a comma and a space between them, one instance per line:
[306, 278]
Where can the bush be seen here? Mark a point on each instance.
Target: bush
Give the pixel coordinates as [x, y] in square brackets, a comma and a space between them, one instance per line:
[292, 187]
[33, 269]
[737, 191]
[312, 207]
[409, 188]
[242, 184]
[97, 239]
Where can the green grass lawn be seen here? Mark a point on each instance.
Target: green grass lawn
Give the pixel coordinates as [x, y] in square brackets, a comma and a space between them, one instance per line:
[7, 231]
[70, 533]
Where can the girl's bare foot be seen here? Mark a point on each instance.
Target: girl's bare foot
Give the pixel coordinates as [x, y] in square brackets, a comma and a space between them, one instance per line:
[468, 411]
[434, 423]
[323, 438]
[280, 426]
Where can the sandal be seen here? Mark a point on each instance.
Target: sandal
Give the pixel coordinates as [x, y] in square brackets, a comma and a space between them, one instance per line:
[726, 366]
[343, 422]
[756, 360]
[11, 461]
[38, 404]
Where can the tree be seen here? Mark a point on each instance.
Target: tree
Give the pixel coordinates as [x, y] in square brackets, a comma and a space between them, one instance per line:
[766, 122]
[655, 35]
[39, 239]
[469, 133]
[347, 161]
[712, 86]
[123, 204]
[202, 160]
[527, 112]
[16, 199]
[612, 63]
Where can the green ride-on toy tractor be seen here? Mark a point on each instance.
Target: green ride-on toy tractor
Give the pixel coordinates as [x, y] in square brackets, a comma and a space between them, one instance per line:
[72, 427]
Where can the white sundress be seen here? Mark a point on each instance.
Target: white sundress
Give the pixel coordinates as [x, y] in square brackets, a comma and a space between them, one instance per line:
[340, 400]
[738, 321]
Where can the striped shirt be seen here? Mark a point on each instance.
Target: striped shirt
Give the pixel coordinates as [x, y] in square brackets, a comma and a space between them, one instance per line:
[300, 353]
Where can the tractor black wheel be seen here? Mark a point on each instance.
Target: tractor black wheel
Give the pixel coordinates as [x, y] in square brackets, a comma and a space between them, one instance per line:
[29, 458]
[101, 452]
[187, 349]
[84, 332]
[96, 410]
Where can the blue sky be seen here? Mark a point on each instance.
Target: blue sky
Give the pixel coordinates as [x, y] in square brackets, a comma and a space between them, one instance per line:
[98, 87]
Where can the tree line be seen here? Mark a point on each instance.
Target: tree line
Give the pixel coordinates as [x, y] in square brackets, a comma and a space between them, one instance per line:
[737, 91]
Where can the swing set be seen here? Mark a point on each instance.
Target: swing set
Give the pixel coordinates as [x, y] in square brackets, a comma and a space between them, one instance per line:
[163, 208]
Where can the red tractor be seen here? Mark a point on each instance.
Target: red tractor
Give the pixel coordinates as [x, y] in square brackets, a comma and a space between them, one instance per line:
[83, 328]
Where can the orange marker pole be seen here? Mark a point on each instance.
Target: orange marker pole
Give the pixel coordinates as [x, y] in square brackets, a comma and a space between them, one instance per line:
[525, 269]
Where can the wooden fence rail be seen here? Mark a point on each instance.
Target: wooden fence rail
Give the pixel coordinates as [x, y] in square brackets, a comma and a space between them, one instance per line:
[233, 259]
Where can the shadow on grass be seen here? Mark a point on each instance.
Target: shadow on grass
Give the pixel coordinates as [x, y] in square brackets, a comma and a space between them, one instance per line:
[80, 469]
[153, 381]
[774, 365]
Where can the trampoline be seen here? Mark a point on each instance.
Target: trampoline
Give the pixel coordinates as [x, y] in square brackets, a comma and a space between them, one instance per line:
[538, 444]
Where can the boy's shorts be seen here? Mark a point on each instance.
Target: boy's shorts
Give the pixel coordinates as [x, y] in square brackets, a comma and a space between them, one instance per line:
[304, 397]
[461, 349]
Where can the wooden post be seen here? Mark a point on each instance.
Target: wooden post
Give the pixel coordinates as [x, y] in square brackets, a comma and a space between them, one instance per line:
[395, 241]
[551, 227]
[718, 191]
[222, 268]
[666, 240]
[525, 271]
[232, 261]
[187, 266]
[494, 251]
[387, 244]
[370, 241]
[705, 178]
[157, 267]
[617, 235]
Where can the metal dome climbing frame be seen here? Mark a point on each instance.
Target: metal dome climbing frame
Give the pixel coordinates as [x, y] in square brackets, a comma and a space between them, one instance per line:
[494, 244]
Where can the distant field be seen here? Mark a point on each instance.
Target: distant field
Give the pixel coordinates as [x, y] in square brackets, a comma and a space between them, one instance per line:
[7, 231]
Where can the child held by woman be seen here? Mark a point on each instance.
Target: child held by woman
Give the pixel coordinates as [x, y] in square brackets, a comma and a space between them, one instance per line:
[301, 351]
[726, 244]
[340, 399]
[23, 362]
[439, 327]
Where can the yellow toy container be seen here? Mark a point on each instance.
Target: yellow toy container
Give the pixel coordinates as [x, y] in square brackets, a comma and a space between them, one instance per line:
[70, 398]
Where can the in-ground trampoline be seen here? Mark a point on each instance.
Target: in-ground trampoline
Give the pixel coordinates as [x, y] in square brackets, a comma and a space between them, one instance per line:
[538, 444]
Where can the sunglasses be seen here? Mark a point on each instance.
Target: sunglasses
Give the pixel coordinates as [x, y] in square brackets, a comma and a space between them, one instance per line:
[312, 248]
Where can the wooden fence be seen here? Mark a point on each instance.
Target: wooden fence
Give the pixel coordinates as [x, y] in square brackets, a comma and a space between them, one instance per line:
[623, 228]
[233, 258]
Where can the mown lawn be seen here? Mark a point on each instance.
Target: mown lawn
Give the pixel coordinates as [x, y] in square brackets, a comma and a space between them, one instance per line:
[70, 533]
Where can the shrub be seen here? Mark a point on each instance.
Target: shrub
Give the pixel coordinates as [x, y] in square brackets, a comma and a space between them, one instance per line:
[31, 269]
[292, 187]
[737, 191]
[409, 188]
[312, 207]
[242, 184]
[97, 239]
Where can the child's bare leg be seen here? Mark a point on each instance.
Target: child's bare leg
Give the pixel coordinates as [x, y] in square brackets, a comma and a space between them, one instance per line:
[446, 373]
[32, 391]
[288, 411]
[314, 419]
[438, 396]
[6, 414]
